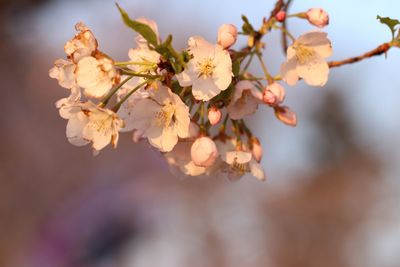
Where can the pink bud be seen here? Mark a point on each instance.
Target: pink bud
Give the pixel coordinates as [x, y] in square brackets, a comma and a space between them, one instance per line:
[280, 16]
[274, 94]
[214, 115]
[204, 152]
[227, 35]
[137, 134]
[285, 115]
[256, 149]
[317, 17]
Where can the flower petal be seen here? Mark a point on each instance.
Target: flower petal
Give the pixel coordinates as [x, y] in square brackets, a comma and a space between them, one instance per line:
[288, 71]
[314, 73]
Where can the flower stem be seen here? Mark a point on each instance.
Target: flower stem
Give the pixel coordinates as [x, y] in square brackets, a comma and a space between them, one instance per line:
[107, 98]
[268, 76]
[136, 74]
[125, 63]
[118, 105]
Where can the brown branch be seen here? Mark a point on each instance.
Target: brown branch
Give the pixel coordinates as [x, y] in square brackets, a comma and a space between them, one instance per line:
[382, 49]
[284, 36]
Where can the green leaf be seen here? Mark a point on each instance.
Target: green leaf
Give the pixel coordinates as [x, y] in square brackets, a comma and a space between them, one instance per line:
[236, 67]
[169, 53]
[247, 27]
[391, 23]
[141, 28]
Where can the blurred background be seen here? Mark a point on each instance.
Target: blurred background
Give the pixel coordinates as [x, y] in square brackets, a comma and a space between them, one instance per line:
[333, 190]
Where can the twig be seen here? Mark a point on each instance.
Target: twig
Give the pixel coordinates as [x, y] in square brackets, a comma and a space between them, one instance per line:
[284, 26]
[382, 49]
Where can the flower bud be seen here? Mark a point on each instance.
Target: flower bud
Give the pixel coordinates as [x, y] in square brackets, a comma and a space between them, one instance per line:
[317, 17]
[214, 115]
[280, 16]
[227, 35]
[204, 152]
[286, 115]
[274, 94]
[256, 149]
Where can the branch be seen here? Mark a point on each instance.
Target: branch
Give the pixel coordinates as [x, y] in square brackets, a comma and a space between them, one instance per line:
[284, 36]
[382, 49]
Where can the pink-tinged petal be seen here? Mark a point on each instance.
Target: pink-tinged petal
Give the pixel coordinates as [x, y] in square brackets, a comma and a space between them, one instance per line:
[286, 115]
[257, 171]
[314, 73]
[144, 113]
[204, 89]
[162, 138]
[240, 157]
[74, 131]
[317, 41]
[288, 71]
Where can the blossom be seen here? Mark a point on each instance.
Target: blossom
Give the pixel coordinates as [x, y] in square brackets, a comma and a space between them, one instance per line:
[96, 76]
[227, 35]
[317, 17]
[64, 72]
[88, 123]
[306, 59]
[214, 115]
[84, 43]
[204, 152]
[125, 111]
[209, 71]
[245, 100]
[179, 158]
[162, 117]
[147, 60]
[238, 162]
[274, 94]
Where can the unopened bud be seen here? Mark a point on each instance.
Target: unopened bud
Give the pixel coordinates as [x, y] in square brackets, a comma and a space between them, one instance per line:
[286, 115]
[317, 17]
[214, 115]
[204, 152]
[274, 94]
[256, 149]
[280, 16]
[227, 35]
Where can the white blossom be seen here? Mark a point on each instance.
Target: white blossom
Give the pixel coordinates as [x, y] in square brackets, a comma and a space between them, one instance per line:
[162, 117]
[179, 158]
[88, 123]
[204, 152]
[238, 162]
[246, 98]
[64, 72]
[125, 111]
[209, 71]
[84, 43]
[306, 59]
[96, 76]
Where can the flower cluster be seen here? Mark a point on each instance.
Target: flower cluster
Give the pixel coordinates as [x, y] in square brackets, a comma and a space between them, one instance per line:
[191, 105]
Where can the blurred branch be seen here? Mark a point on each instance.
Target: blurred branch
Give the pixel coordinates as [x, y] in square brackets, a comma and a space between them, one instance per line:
[284, 26]
[382, 49]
